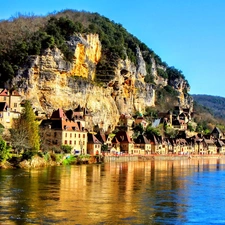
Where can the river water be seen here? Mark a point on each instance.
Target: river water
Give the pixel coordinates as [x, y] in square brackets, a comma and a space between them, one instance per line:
[152, 192]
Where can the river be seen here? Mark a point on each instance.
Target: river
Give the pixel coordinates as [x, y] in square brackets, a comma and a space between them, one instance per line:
[151, 192]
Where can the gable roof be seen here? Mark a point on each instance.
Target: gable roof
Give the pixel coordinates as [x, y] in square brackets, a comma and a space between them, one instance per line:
[92, 139]
[216, 130]
[4, 92]
[123, 137]
[102, 136]
[141, 139]
[58, 114]
[60, 125]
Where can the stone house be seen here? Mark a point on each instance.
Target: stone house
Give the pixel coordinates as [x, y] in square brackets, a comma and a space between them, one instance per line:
[82, 115]
[216, 133]
[10, 107]
[126, 142]
[209, 146]
[59, 130]
[105, 139]
[220, 146]
[115, 145]
[93, 145]
[157, 146]
[142, 145]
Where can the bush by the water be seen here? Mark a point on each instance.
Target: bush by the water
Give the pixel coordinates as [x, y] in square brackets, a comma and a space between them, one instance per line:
[70, 159]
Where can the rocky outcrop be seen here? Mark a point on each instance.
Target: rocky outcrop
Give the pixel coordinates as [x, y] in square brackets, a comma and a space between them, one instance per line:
[50, 82]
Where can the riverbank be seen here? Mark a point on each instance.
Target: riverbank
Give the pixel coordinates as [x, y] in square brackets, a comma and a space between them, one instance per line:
[53, 160]
[129, 158]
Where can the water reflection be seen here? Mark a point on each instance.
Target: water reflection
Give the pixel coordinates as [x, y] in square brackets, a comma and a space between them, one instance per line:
[153, 192]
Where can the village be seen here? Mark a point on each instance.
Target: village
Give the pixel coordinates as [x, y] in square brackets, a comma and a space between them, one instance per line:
[75, 128]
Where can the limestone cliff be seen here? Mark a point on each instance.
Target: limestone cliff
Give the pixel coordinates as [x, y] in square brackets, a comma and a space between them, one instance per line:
[50, 82]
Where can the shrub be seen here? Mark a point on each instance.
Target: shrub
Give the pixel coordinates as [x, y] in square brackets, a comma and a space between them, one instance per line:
[4, 151]
[28, 155]
[66, 148]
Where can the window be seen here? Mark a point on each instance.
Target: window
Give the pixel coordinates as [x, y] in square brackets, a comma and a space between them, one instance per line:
[79, 135]
[75, 142]
[70, 134]
[75, 135]
[65, 142]
[83, 135]
[70, 142]
[65, 134]
[15, 104]
[4, 98]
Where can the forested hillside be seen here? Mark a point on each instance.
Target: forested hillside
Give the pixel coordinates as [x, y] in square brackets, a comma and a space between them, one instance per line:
[215, 104]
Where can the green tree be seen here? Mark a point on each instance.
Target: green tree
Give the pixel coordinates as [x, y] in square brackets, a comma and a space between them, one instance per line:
[66, 148]
[25, 131]
[152, 130]
[4, 151]
[104, 148]
[171, 132]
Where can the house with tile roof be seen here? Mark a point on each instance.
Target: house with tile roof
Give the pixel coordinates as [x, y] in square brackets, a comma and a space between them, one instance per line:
[93, 145]
[142, 145]
[220, 144]
[125, 141]
[10, 107]
[209, 146]
[59, 130]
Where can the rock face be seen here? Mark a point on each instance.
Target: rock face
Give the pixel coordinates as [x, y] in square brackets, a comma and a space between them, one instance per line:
[50, 82]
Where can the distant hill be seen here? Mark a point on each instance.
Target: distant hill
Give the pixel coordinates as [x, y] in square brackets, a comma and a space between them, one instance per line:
[215, 104]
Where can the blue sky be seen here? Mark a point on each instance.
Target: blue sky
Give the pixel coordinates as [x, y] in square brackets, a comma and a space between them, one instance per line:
[186, 34]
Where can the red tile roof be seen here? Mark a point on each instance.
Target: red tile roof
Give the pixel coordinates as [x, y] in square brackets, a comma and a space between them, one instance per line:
[4, 92]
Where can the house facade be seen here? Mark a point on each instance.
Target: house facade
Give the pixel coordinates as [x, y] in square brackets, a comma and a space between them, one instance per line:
[59, 130]
[10, 107]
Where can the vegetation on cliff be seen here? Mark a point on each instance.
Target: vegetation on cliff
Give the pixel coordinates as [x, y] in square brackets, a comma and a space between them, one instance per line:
[24, 36]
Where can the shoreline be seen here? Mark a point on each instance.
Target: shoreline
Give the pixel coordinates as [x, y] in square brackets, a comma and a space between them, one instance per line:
[130, 158]
[37, 163]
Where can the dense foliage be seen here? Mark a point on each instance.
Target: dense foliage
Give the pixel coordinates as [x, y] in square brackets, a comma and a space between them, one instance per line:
[206, 119]
[4, 150]
[215, 104]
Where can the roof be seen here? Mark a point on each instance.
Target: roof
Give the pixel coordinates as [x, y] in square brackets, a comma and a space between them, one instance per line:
[141, 139]
[4, 92]
[60, 125]
[101, 136]
[115, 140]
[220, 143]
[123, 137]
[216, 130]
[58, 114]
[92, 139]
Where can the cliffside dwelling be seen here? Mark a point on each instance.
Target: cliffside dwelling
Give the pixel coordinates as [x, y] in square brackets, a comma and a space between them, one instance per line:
[10, 107]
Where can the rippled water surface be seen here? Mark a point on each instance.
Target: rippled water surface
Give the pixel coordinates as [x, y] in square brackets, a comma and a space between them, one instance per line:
[152, 192]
